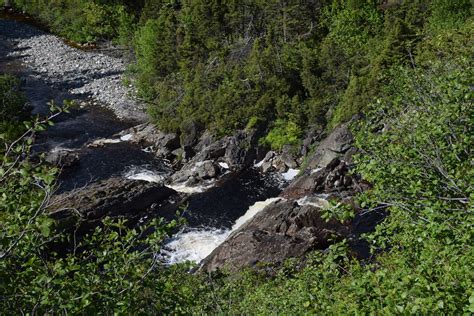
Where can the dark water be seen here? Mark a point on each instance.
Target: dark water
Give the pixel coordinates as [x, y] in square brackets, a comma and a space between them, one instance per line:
[223, 204]
[219, 206]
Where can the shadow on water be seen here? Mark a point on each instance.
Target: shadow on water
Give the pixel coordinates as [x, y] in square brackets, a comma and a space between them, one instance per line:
[217, 207]
[223, 204]
[102, 163]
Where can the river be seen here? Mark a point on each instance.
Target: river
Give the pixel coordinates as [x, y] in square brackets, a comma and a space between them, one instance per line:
[51, 70]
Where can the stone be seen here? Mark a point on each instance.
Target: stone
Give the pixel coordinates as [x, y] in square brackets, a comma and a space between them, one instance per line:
[288, 157]
[190, 135]
[112, 197]
[207, 169]
[334, 178]
[282, 230]
[336, 145]
[148, 135]
[62, 158]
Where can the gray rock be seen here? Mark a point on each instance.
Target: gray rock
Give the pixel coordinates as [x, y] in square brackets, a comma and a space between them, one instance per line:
[288, 157]
[147, 134]
[112, 197]
[190, 135]
[282, 230]
[207, 170]
[242, 148]
[62, 158]
[201, 170]
[334, 178]
[336, 145]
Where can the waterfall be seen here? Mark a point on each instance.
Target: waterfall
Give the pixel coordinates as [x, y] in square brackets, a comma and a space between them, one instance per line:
[195, 244]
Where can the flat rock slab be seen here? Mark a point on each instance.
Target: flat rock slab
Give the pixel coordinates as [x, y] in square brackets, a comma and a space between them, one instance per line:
[112, 197]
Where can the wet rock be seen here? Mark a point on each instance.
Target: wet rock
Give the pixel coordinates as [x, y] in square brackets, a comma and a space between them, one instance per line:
[148, 135]
[243, 148]
[62, 158]
[282, 230]
[235, 152]
[288, 156]
[201, 170]
[207, 169]
[280, 163]
[206, 140]
[112, 197]
[190, 135]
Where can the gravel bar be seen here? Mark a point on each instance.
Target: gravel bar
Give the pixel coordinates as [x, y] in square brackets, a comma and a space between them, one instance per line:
[85, 74]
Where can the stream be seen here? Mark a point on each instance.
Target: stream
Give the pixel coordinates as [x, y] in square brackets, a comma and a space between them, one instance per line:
[104, 108]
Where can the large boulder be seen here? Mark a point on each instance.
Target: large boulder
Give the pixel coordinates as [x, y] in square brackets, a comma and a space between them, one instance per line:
[112, 197]
[338, 144]
[282, 230]
[242, 148]
[148, 135]
[334, 178]
[63, 158]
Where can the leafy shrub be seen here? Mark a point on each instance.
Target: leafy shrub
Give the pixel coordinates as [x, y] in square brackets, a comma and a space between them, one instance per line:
[12, 101]
[82, 21]
[12, 107]
[283, 133]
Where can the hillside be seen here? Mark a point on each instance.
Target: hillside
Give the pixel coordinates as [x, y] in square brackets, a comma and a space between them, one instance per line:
[344, 128]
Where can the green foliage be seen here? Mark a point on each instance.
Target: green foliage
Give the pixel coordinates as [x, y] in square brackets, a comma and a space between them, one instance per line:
[113, 269]
[449, 14]
[82, 21]
[283, 133]
[12, 107]
[415, 147]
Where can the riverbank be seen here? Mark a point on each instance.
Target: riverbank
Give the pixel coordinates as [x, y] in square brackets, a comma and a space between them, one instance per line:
[82, 74]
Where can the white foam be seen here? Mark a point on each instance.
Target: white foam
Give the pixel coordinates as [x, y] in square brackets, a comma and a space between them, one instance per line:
[224, 165]
[252, 211]
[103, 141]
[197, 244]
[126, 138]
[316, 201]
[290, 174]
[259, 164]
[194, 245]
[185, 189]
[138, 173]
[315, 170]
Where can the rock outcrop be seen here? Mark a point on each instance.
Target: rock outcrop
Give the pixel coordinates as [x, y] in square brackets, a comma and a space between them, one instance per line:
[112, 197]
[282, 230]
[335, 178]
[294, 225]
[212, 157]
[338, 144]
[147, 135]
[62, 158]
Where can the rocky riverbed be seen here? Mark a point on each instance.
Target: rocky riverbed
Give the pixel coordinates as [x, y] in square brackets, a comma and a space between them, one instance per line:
[82, 74]
[244, 204]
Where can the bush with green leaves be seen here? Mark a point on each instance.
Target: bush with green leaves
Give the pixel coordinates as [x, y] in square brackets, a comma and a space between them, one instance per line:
[115, 268]
[12, 107]
[83, 21]
[283, 133]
